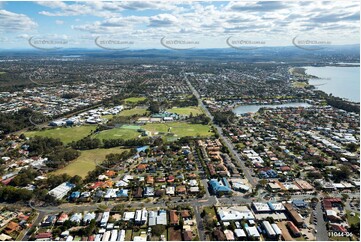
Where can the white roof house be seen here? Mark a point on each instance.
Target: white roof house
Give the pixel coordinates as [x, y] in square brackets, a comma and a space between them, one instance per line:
[252, 232]
[60, 191]
[76, 217]
[261, 207]
[170, 190]
[128, 216]
[234, 213]
[88, 217]
[121, 235]
[105, 219]
[276, 229]
[239, 233]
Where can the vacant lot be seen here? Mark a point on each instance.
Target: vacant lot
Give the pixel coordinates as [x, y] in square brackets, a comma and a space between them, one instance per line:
[66, 135]
[180, 129]
[186, 110]
[87, 161]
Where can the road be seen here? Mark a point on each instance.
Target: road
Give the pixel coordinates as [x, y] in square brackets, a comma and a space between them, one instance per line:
[252, 181]
[322, 233]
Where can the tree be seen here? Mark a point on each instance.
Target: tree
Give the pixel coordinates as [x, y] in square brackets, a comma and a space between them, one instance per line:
[154, 107]
[158, 229]
[344, 197]
[342, 174]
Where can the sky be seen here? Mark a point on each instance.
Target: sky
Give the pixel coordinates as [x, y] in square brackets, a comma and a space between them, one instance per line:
[177, 24]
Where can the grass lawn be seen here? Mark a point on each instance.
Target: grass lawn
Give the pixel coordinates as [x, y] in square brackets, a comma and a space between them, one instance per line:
[134, 99]
[86, 161]
[353, 219]
[66, 135]
[186, 110]
[300, 238]
[128, 235]
[118, 133]
[180, 129]
[211, 212]
[339, 238]
[299, 84]
[134, 111]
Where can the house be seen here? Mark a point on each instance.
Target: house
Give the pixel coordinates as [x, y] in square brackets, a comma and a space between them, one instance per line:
[111, 193]
[159, 193]
[229, 235]
[149, 180]
[48, 221]
[11, 227]
[234, 213]
[43, 236]
[181, 189]
[138, 193]
[62, 218]
[240, 234]
[185, 214]
[293, 228]
[332, 216]
[127, 216]
[76, 217]
[110, 173]
[104, 220]
[88, 217]
[173, 217]
[141, 216]
[149, 192]
[60, 191]
[170, 191]
[252, 232]
[4, 237]
[219, 188]
[295, 216]
[219, 235]
[123, 193]
[159, 217]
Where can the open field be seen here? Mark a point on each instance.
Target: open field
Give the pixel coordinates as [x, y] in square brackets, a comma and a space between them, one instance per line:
[186, 110]
[134, 99]
[353, 219]
[66, 135]
[86, 161]
[133, 111]
[299, 84]
[118, 133]
[180, 129]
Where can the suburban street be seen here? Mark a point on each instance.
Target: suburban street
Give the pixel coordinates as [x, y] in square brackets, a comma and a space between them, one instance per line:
[252, 181]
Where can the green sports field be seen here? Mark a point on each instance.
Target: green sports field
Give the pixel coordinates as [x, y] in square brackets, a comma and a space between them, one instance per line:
[180, 129]
[186, 110]
[87, 161]
[134, 99]
[66, 135]
[134, 111]
[124, 132]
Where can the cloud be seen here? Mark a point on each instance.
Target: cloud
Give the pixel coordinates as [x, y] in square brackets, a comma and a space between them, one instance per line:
[59, 22]
[14, 22]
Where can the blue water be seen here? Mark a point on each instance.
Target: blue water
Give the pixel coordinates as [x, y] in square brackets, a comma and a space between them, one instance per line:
[242, 109]
[342, 82]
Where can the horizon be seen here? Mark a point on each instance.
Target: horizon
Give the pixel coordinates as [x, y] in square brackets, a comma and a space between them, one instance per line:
[199, 25]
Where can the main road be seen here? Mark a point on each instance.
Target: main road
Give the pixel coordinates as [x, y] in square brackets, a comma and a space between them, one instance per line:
[225, 140]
